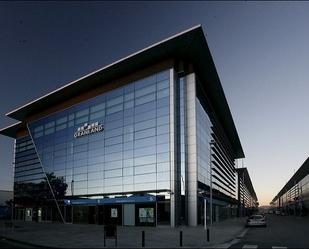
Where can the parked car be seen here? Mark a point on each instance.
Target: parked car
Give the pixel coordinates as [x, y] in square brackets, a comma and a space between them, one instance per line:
[256, 220]
[277, 212]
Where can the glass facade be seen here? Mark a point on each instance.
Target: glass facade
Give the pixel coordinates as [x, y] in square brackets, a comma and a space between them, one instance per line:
[131, 153]
[31, 187]
[203, 129]
[295, 201]
[27, 164]
[247, 199]
[303, 197]
[117, 145]
[215, 164]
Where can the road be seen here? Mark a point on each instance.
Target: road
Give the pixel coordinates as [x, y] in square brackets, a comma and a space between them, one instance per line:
[7, 244]
[10, 244]
[281, 232]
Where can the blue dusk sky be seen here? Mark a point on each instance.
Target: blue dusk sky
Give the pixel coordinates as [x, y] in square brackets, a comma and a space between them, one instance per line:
[260, 50]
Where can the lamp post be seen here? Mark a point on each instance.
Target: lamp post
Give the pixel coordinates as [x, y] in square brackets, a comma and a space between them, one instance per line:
[205, 214]
[210, 164]
[72, 187]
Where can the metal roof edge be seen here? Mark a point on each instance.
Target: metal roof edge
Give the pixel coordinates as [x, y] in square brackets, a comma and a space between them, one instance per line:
[6, 131]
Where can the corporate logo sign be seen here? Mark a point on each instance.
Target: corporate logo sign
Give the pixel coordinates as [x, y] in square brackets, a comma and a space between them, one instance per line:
[88, 129]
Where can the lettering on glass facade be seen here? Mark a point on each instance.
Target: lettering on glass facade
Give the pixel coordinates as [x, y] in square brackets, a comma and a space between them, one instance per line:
[88, 129]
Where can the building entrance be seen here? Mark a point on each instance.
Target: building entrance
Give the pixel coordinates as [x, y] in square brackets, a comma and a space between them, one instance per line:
[29, 214]
[112, 214]
[129, 214]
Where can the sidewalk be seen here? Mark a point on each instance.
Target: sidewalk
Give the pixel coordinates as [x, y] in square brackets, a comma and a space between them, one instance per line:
[91, 236]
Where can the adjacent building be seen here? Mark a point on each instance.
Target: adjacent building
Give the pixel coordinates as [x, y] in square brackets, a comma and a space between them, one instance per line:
[293, 198]
[142, 141]
[247, 199]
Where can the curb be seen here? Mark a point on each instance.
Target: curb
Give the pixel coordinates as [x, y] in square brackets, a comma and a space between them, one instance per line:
[230, 242]
[223, 244]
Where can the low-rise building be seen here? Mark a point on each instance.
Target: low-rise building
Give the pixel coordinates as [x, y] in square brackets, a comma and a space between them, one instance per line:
[293, 198]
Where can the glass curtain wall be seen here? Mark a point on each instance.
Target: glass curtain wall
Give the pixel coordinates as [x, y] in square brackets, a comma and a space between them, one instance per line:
[295, 201]
[181, 151]
[215, 166]
[117, 142]
[31, 189]
[203, 127]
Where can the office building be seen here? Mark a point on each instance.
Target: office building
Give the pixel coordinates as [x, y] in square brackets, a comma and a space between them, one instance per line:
[293, 198]
[247, 199]
[142, 141]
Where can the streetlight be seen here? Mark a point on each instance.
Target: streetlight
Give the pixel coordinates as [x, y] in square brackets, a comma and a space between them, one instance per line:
[205, 214]
[72, 187]
[210, 156]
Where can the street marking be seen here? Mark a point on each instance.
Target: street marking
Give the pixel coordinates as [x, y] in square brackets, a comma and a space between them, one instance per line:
[250, 246]
[279, 247]
[243, 233]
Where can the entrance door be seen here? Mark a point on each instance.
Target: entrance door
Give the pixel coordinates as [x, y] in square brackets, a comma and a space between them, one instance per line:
[112, 214]
[29, 214]
[129, 214]
[39, 214]
[20, 214]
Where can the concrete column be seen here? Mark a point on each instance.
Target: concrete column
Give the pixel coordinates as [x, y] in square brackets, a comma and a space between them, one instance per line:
[192, 148]
[173, 141]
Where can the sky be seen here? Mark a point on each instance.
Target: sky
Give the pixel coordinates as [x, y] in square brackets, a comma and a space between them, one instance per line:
[260, 50]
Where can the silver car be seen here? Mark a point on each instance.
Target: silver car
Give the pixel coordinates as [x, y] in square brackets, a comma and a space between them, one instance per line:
[256, 220]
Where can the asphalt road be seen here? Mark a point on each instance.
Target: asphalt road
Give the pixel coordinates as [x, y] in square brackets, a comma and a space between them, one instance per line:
[10, 244]
[281, 231]
[7, 244]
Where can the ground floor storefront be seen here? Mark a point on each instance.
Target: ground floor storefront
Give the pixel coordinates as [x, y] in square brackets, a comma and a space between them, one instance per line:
[128, 211]
[147, 210]
[221, 210]
[298, 208]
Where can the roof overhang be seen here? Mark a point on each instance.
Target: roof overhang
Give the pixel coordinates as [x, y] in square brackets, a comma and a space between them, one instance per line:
[189, 46]
[11, 130]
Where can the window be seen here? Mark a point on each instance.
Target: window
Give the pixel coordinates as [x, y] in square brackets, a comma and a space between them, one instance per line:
[130, 154]
[97, 108]
[82, 113]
